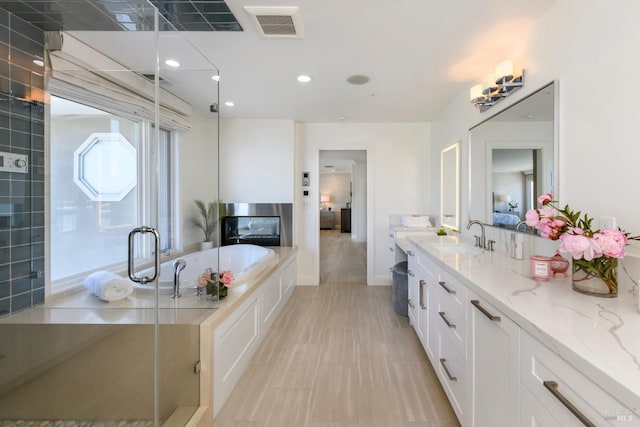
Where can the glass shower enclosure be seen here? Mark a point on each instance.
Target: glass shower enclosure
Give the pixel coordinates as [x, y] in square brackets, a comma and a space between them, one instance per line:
[121, 142]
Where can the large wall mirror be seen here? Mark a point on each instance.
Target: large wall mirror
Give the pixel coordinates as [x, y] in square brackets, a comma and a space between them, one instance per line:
[450, 187]
[513, 159]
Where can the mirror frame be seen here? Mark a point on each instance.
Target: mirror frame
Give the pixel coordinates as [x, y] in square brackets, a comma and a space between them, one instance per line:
[455, 224]
[554, 178]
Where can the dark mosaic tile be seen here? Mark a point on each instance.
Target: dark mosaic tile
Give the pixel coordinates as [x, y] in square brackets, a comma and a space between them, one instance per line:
[20, 139]
[19, 189]
[4, 17]
[37, 296]
[20, 269]
[5, 307]
[5, 188]
[5, 289]
[5, 256]
[19, 286]
[21, 253]
[37, 142]
[21, 124]
[37, 235]
[21, 237]
[4, 137]
[37, 250]
[20, 302]
[37, 264]
[4, 238]
[38, 128]
[38, 282]
[37, 204]
[5, 273]
[26, 29]
[37, 219]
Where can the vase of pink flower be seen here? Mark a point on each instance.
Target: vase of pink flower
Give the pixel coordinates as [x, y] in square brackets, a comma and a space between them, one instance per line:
[215, 285]
[595, 253]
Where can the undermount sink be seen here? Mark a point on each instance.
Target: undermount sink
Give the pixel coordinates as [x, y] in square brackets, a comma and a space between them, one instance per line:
[457, 248]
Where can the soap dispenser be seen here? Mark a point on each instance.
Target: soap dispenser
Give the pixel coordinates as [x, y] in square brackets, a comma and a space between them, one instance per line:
[516, 248]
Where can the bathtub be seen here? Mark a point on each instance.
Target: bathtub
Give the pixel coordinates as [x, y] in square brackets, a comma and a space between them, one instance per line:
[245, 261]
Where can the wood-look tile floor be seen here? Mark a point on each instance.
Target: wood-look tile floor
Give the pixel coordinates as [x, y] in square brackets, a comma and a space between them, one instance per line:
[338, 355]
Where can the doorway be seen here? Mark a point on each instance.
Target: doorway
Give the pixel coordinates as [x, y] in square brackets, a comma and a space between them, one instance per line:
[343, 217]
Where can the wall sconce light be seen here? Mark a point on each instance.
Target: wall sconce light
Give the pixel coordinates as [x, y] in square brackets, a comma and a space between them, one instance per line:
[495, 87]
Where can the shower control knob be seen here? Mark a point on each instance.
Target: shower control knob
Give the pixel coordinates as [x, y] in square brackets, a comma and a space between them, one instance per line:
[20, 163]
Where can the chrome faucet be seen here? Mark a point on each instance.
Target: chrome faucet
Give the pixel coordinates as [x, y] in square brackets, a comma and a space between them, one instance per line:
[178, 266]
[480, 240]
[520, 223]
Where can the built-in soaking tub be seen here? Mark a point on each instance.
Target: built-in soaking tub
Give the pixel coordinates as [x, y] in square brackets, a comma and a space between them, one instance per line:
[245, 261]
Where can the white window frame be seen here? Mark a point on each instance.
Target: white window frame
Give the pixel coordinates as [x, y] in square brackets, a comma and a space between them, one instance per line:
[144, 200]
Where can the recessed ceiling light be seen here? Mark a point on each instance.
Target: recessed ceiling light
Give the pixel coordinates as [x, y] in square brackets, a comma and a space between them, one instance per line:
[229, 104]
[216, 78]
[303, 78]
[358, 79]
[172, 63]
[39, 62]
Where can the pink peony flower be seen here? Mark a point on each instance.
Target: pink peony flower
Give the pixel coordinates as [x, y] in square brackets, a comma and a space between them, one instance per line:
[579, 245]
[532, 217]
[612, 242]
[545, 199]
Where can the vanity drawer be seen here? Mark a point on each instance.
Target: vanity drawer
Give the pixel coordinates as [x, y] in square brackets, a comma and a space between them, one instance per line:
[452, 322]
[558, 386]
[451, 368]
[452, 290]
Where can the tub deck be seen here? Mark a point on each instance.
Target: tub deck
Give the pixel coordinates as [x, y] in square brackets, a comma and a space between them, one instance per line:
[82, 307]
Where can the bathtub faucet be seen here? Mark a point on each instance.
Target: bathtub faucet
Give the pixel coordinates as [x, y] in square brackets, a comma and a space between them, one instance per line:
[178, 266]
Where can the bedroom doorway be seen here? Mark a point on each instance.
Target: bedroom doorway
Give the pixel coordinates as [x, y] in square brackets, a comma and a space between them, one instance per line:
[343, 217]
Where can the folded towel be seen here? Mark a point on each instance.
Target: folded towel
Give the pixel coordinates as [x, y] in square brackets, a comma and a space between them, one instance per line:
[108, 286]
[416, 221]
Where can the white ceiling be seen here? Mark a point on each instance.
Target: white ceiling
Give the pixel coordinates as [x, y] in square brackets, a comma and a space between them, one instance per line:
[419, 54]
[340, 161]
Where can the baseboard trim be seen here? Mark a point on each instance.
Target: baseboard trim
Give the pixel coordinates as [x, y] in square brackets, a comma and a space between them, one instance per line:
[306, 281]
[381, 281]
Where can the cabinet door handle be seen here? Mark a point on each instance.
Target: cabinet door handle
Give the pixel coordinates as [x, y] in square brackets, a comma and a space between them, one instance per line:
[410, 253]
[444, 317]
[484, 311]
[391, 249]
[443, 362]
[552, 386]
[410, 273]
[446, 288]
[422, 284]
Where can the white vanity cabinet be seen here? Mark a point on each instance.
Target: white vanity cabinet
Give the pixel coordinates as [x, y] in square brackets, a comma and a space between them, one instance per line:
[494, 366]
[416, 297]
[570, 398]
[450, 299]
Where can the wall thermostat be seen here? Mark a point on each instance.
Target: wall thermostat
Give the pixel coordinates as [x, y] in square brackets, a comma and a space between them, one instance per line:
[11, 162]
[306, 180]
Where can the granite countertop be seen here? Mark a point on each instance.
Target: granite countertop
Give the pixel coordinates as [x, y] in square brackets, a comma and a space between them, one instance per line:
[598, 336]
[82, 307]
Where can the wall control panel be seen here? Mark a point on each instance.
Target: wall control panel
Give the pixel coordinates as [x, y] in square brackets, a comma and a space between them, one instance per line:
[11, 162]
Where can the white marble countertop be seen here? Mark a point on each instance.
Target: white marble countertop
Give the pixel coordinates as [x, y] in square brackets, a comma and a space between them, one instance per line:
[598, 336]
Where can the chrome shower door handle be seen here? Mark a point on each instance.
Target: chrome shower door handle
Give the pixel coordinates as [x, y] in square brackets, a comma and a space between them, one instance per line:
[156, 267]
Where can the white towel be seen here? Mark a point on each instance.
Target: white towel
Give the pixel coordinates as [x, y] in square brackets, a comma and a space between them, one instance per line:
[416, 221]
[108, 286]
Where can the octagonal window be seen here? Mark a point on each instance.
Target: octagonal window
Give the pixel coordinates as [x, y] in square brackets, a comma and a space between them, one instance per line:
[105, 167]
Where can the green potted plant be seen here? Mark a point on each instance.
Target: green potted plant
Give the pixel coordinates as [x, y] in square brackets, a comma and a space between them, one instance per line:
[206, 220]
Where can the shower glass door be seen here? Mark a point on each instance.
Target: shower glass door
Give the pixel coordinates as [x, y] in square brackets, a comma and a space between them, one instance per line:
[126, 149]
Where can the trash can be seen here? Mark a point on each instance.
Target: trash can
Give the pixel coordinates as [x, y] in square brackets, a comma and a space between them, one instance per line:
[400, 288]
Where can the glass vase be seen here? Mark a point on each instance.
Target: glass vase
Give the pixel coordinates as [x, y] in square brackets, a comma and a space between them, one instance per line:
[597, 277]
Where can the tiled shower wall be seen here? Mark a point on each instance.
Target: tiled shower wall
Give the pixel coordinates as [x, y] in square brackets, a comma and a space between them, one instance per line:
[21, 195]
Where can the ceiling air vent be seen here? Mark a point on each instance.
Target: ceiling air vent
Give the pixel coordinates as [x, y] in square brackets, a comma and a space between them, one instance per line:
[277, 21]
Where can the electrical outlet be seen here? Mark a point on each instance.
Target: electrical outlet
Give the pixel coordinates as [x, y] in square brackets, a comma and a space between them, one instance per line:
[607, 222]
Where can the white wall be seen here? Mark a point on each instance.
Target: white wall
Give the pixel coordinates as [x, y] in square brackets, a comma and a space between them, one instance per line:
[589, 47]
[257, 164]
[397, 169]
[197, 174]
